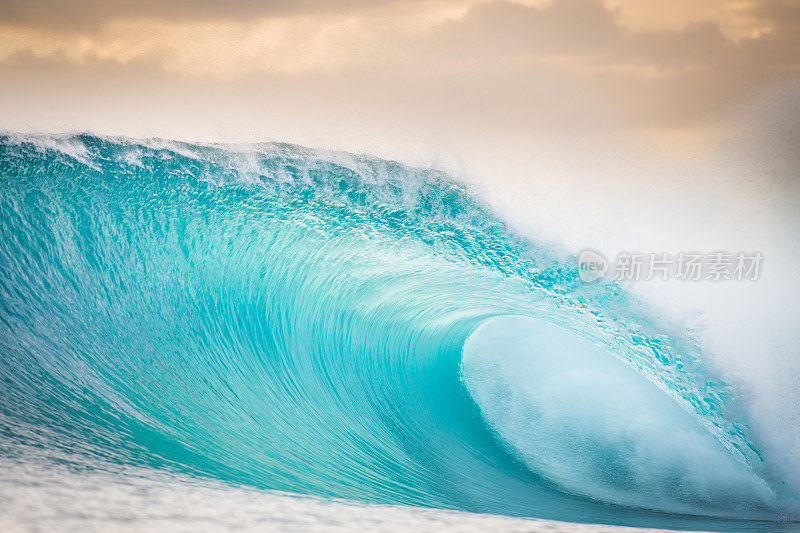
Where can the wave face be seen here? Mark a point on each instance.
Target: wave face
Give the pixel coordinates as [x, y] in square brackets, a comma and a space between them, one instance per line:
[342, 326]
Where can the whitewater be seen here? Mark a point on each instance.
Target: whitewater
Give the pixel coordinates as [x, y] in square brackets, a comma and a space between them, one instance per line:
[241, 336]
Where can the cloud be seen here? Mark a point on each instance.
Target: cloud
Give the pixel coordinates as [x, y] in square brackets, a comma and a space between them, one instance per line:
[505, 67]
[678, 76]
[85, 14]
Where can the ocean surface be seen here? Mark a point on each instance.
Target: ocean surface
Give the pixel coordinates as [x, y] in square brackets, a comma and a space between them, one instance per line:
[216, 336]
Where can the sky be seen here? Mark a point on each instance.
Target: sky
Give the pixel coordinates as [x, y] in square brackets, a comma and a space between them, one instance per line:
[358, 73]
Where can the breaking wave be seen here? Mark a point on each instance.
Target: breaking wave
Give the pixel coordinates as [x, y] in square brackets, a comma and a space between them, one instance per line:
[342, 326]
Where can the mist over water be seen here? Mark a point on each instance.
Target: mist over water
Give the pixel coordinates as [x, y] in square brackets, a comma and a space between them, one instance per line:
[739, 193]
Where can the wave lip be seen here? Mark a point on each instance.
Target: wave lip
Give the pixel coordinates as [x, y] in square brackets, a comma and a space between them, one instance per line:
[307, 322]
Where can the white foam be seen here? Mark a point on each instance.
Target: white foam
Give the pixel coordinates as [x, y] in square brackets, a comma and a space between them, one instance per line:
[40, 495]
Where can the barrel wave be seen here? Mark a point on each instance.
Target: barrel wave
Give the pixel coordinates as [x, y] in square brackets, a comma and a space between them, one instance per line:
[343, 326]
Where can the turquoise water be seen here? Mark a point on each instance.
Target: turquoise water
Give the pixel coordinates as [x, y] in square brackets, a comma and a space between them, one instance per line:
[343, 326]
